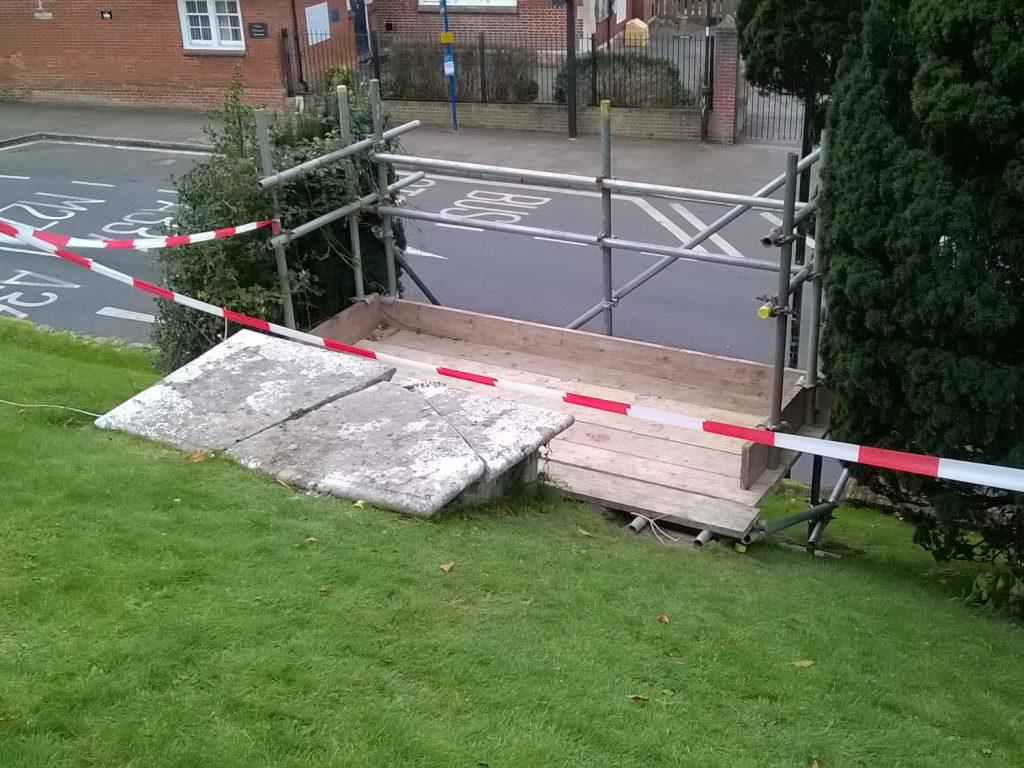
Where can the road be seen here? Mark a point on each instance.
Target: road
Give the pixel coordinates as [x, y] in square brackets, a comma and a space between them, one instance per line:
[88, 190]
[707, 307]
[84, 190]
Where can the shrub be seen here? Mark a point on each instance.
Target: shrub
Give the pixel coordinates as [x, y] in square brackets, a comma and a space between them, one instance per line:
[626, 79]
[925, 187]
[240, 272]
[414, 71]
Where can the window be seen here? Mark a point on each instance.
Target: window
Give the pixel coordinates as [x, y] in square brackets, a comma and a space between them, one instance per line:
[211, 24]
[474, 4]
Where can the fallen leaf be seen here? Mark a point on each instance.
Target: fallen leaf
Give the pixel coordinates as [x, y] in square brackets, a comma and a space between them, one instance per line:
[325, 590]
[663, 619]
[289, 486]
[638, 697]
[312, 540]
[196, 456]
[814, 763]
[741, 548]
[447, 567]
[359, 503]
[803, 663]
[668, 692]
[584, 532]
[986, 751]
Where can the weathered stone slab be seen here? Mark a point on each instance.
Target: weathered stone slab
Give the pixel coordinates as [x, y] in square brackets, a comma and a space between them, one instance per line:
[384, 445]
[502, 432]
[244, 385]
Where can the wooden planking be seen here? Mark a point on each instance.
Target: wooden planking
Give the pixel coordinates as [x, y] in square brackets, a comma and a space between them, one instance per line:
[710, 372]
[533, 368]
[687, 510]
[668, 451]
[592, 375]
[582, 414]
[652, 471]
[354, 324]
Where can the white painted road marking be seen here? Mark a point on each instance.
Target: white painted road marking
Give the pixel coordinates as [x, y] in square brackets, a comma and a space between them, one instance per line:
[37, 280]
[9, 249]
[126, 314]
[771, 218]
[16, 178]
[718, 240]
[427, 254]
[662, 256]
[93, 184]
[168, 191]
[458, 226]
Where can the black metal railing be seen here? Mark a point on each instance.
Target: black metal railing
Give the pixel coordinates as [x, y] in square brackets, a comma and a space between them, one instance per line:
[665, 71]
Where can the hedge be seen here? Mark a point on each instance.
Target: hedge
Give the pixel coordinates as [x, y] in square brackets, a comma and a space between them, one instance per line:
[627, 80]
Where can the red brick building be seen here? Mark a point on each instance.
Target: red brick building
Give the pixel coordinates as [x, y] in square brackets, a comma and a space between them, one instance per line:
[168, 52]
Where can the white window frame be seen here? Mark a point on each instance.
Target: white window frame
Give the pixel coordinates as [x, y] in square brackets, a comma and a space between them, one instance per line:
[216, 44]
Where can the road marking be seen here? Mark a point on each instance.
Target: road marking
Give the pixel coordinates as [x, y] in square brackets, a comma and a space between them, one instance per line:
[168, 191]
[662, 256]
[126, 314]
[17, 178]
[5, 239]
[92, 184]
[427, 254]
[458, 226]
[561, 242]
[771, 218]
[718, 240]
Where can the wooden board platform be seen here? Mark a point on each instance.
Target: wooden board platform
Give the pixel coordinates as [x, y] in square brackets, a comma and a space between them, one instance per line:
[690, 479]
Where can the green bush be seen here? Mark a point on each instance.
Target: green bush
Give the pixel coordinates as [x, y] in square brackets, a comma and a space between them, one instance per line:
[626, 79]
[240, 272]
[414, 71]
[924, 192]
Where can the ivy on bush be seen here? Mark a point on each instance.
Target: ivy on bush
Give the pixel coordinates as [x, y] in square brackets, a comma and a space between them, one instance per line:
[241, 272]
[627, 79]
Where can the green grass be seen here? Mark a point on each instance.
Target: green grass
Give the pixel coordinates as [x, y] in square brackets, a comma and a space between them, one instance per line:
[156, 612]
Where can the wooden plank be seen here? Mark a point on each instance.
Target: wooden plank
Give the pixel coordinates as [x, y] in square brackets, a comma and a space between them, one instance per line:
[581, 414]
[353, 324]
[669, 451]
[591, 374]
[652, 471]
[706, 371]
[455, 354]
[688, 510]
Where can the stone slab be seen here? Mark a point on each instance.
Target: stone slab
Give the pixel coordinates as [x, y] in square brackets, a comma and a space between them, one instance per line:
[245, 384]
[502, 432]
[385, 445]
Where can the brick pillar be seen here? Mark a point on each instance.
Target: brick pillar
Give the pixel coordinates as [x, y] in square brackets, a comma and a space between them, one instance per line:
[722, 126]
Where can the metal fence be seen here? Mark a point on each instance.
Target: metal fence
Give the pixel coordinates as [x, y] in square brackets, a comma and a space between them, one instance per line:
[768, 117]
[521, 69]
[315, 61]
[692, 11]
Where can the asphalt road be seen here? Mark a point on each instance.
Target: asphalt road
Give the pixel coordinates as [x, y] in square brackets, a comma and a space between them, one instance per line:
[706, 307]
[119, 192]
[83, 190]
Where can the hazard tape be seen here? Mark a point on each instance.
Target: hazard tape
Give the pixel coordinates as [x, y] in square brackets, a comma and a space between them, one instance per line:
[1007, 478]
[63, 241]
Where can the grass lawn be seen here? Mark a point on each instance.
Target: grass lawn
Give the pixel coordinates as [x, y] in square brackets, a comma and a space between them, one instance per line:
[157, 612]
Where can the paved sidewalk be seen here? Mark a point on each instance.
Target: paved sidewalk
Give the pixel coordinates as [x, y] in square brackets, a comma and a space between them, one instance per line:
[740, 168]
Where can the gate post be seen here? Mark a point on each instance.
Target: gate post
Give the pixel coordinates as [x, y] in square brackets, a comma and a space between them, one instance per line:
[726, 68]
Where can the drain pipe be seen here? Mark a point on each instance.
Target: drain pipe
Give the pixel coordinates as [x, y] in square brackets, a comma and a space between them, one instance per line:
[819, 513]
[704, 537]
[638, 523]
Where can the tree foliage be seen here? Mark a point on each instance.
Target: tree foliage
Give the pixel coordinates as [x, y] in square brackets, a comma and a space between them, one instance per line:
[241, 272]
[925, 210]
[794, 46]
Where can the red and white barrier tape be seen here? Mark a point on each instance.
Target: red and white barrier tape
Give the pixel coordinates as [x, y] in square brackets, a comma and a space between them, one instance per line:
[1007, 478]
[63, 241]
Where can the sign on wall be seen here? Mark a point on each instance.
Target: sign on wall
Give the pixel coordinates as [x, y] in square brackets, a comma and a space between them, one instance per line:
[318, 24]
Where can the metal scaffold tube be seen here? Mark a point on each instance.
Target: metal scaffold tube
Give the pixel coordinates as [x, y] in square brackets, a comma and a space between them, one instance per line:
[606, 215]
[781, 308]
[387, 225]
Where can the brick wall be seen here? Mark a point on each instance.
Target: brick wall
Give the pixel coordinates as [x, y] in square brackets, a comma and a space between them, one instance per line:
[537, 18]
[676, 124]
[722, 125]
[138, 56]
